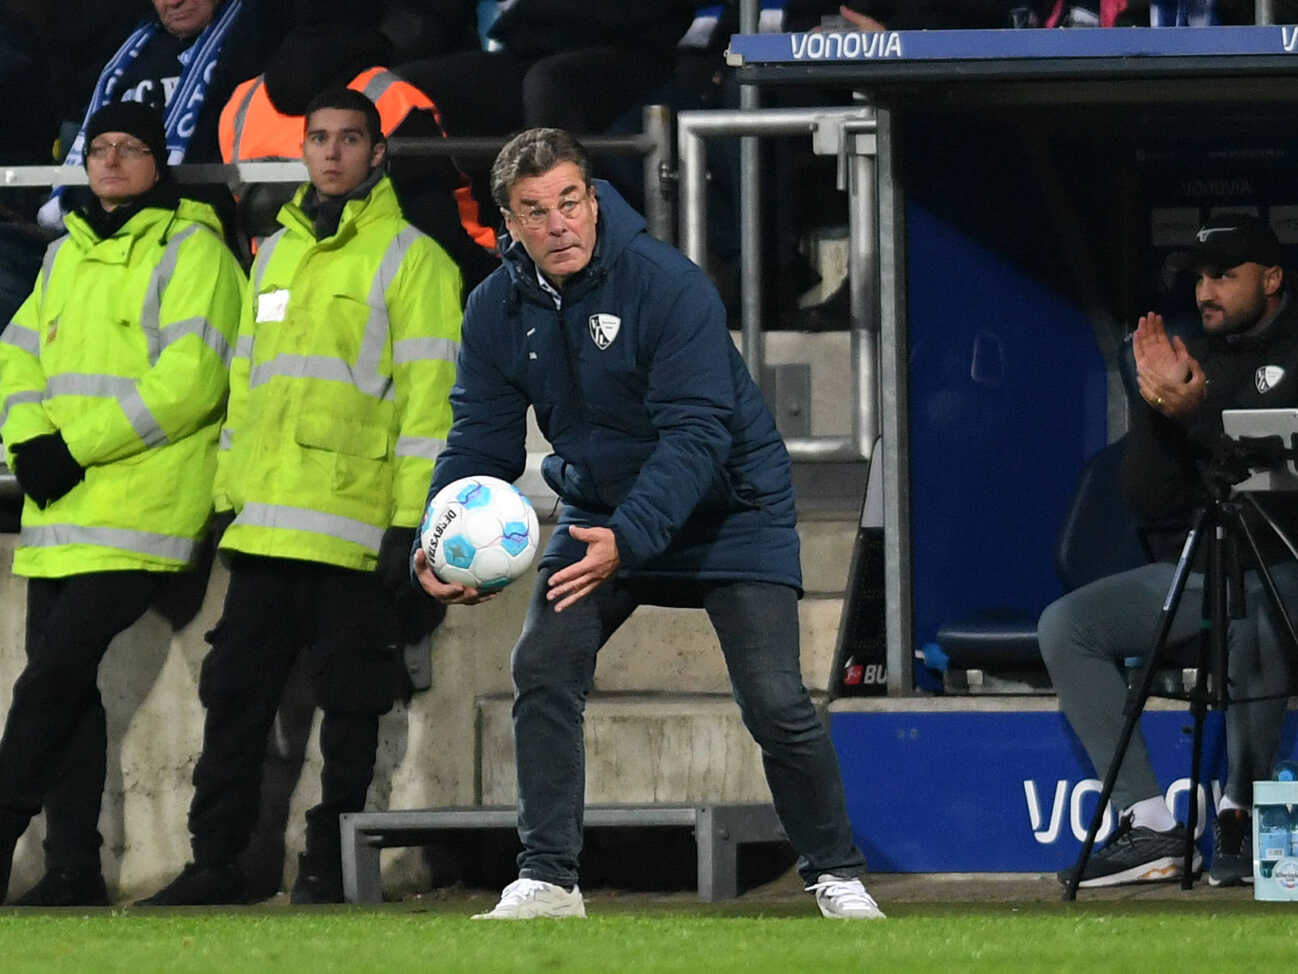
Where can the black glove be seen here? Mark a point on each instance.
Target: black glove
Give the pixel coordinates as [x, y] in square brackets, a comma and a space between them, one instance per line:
[45, 469]
[394, 558]
[417, 615]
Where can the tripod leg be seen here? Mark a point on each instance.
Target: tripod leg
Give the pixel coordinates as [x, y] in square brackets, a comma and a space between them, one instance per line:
[1268, 582]
[1139, 694]
[1212, 652]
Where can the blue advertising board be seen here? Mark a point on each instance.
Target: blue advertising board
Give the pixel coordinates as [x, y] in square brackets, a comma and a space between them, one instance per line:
[982, 45]
[1002, 791]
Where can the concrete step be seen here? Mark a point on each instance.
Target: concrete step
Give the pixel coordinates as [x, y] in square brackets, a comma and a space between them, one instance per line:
[640, 748]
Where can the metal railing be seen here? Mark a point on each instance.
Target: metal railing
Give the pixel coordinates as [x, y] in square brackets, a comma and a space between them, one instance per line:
[849, 134]
[654, 143]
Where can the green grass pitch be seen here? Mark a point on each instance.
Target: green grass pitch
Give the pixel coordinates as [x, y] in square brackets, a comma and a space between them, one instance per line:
[1110, 936]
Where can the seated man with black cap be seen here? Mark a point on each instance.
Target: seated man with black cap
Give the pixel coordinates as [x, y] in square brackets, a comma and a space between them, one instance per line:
[113, 377]
[1247, 358]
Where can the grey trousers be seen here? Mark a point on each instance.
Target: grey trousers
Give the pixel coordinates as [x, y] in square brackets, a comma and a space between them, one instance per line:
[1085, 636]
[757, 625]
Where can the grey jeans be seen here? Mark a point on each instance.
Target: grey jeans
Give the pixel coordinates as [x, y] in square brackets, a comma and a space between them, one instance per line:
[1085, 636]
[757, 625]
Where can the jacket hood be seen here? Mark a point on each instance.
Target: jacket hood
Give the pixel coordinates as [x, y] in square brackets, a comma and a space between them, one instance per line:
[380, 204]
[618, 225]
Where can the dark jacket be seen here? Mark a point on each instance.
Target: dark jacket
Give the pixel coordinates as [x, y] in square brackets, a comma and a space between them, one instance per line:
[661, 435]
[1160, 467]
[538, 28]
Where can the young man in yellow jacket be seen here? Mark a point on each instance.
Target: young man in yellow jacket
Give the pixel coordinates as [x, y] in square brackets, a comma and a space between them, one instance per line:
[339, 404]
[113, 376]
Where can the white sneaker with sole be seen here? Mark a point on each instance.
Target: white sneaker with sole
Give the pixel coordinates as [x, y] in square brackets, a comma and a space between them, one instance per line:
[526, 899]
[844, 899]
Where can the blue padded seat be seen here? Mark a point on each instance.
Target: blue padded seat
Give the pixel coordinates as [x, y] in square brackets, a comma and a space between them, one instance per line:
[1099, 536]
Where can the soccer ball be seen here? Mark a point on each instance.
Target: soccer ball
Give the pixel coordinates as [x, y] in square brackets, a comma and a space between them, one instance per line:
[480, 532]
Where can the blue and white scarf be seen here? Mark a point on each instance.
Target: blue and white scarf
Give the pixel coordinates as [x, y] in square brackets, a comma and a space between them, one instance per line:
[181, 114]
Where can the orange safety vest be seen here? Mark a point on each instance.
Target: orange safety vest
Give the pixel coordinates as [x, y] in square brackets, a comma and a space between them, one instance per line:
[253, 130]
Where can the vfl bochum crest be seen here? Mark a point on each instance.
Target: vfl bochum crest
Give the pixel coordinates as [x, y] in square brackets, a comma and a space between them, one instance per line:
[604, 328]
[1266, 378]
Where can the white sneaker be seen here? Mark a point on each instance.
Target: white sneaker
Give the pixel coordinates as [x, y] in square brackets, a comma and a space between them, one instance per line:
[844, 899]
[526, 899]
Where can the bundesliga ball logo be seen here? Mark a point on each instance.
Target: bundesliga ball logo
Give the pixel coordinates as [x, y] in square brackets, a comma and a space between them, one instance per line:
[480, 532]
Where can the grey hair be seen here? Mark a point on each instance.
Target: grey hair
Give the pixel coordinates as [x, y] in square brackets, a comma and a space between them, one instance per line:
[534, 152]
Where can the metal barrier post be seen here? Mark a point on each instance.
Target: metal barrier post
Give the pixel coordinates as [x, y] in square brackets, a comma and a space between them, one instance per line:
[657, 165]
[830, 126]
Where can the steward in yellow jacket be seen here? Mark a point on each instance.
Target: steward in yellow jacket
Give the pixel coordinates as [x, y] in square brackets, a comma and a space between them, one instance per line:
[113, 375]
[340, 385]
[339, 404]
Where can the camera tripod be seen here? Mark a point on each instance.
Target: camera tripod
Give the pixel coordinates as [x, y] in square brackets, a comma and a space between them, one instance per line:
[1220, 519]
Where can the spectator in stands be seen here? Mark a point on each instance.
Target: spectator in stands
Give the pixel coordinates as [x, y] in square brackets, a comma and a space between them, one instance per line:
[113, 377]
[183, 62]
[573, 64]
[676, 490]
[338, 405]
[1248, 358]
[263, 120]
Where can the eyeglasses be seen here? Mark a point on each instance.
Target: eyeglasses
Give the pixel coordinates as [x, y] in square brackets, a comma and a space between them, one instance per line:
[124, 150]
[539, 216]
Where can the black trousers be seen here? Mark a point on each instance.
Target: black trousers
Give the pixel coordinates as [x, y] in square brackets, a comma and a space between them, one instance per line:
[55, 743]
[275, 609]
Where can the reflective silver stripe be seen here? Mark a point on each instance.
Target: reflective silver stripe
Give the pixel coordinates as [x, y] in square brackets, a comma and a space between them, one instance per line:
[301, 367]
[317, 522]
[424, 349]
[243, 347]
[123, 539]
[378, 85]
[112, 387]
[205, 330]
[151, 312]
[47, 267]
[263, 258]
[17, 399]
[375, 337]
[88, 384]
[227, 438]
[22, 337]
[240, 116]
[425, 447]
[142, 421]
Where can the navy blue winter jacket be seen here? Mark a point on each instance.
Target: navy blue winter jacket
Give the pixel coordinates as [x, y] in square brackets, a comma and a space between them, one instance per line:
[659, 432]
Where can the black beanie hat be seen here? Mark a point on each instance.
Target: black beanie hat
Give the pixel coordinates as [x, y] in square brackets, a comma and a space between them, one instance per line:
[134, 119]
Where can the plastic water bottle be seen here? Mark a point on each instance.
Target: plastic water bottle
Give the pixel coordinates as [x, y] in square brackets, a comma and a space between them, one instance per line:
[1273, 832]
[1288, 771]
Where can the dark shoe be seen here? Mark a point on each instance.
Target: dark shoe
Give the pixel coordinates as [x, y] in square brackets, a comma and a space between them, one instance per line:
[67, 887]
[201, 885]
[317, 882]
[1232, 848]
[1136, 855]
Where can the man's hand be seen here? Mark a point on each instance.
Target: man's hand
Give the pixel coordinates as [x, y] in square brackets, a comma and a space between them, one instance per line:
[858, 20]
[1168, 376]
[441, 591]
[578, 580]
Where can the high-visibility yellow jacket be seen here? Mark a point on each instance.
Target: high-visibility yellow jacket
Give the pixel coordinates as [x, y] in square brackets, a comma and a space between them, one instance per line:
[123, 346]
[340, 385]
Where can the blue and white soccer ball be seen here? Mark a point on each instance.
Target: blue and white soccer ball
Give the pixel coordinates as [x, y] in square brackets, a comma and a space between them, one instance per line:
[480, 532]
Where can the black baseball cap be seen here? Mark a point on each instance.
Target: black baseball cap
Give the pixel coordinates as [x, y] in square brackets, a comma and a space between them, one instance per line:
[1228, 240]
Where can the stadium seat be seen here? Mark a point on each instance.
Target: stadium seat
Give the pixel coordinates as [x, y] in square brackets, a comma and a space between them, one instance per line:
[996, 649]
